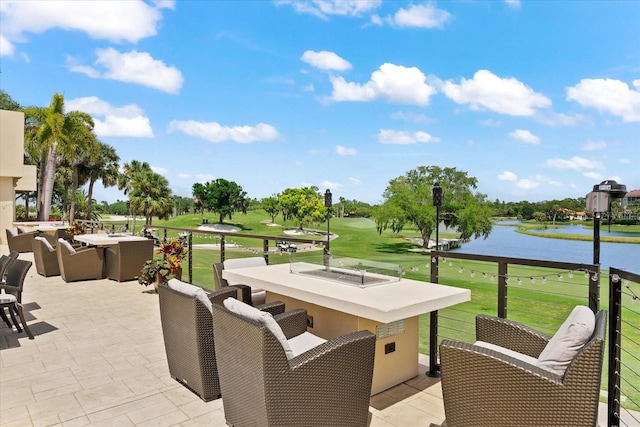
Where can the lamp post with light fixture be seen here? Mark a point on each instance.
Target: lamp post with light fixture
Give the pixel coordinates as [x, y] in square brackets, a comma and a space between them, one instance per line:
[328, 203]
[434, 367]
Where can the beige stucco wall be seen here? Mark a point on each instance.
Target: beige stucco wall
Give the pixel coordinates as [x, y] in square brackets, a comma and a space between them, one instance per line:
[12, 170]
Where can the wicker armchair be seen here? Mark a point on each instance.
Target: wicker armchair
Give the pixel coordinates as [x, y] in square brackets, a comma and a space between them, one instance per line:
[11, 296]
[125, 260]
[251, 296]
[483, 387]
[83, 264]
[328, 385]
[20, 242]
[45, 257]
[187, 328]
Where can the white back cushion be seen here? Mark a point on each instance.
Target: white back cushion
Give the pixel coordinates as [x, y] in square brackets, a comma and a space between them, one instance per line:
[45, 242]
[568, 340]
[67, 245]
[192, 291]
[523, 357]
[263, 317]
[11, 232]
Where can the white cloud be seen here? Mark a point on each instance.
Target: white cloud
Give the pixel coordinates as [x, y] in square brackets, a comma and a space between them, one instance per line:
[330, 185]
[592, 175]
[116, 21]
[625, 160]
[325, 60]
[515, 4]
[594, 145]
[575, 163]
[547, 180]
[608, 95]
[184, 176]
[127, 121]
[412, 117]
[403, 137]
[507, 176]
[205, 177]
[394, 83]
[132, 67]
[491, 123]
[309, 88]
[527, 184]
[344, 151]
[420, 16]
[214, 132]
[354, 180]
[524, 136]
[323, 8]
[6, 47]
[159, 169]
[502, 95]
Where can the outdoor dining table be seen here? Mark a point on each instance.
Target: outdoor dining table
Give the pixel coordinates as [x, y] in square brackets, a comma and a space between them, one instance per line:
[389, 310]
[103, 240]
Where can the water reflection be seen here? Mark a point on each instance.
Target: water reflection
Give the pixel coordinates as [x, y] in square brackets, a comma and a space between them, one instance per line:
[505, 241]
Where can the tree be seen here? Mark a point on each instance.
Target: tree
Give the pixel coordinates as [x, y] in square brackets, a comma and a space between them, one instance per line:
[304, 205]
[408, 200]
[271, 206]
[56, 131]
[151, 193]
[104, 167]
[126, 182]
[222, 197]
[7, 103]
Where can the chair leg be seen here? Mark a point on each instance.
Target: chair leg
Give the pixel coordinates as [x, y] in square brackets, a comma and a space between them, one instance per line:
[5, 318]
[13, 317]
[18, 307]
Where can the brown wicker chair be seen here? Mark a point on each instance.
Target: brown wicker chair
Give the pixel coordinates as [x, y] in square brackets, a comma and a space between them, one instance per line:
[329, 385]
[11, 297]
[20, 242]
[251, 296]
[45, 257]
[83, 264]
[125, 260]
[486, 388]
[187, 327]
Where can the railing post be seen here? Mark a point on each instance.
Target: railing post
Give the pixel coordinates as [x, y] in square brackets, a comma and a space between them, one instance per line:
[223, 240]
[434, 367]
[502, 289]
[189, 255]
[615, 314]
[265, 250]
[594, 290]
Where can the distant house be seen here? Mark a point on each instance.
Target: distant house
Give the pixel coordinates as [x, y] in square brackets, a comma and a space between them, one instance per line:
[631, 198]
[580, 216]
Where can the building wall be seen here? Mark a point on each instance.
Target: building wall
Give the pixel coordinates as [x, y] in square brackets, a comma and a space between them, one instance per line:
[13, 173]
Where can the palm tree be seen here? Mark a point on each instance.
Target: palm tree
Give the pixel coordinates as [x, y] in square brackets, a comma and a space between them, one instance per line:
[151, 191]
[104, 167]
[56, 131]
[126, 182]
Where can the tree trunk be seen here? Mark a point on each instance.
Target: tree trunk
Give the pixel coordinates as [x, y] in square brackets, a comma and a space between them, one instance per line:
[74, 189]
[89, 198]
[47, 186]
[43, 167]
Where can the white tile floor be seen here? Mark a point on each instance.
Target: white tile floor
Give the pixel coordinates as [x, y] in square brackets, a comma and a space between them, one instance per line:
[98, 359]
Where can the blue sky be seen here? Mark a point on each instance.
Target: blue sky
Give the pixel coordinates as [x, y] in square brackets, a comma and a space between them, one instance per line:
[538, 100]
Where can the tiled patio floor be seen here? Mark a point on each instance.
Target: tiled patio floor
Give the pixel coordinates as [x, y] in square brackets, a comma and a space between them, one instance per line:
[98, 359]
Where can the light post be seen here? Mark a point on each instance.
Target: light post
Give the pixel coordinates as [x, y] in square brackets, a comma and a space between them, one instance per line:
[328, 204]
[434, 368]
[599, 201]
[128, 213]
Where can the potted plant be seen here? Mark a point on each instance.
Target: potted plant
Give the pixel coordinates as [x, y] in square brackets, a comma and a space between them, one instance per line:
[174, 252]
[75, 229]
[154, 272]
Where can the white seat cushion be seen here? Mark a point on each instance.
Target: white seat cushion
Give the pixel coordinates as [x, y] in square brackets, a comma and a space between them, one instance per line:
[304, 342]
[67, 245]
[568, 340]
[191, 291]
[263, 317]
[45, 242]
[523, 357]
[7, 298]
[254, 261]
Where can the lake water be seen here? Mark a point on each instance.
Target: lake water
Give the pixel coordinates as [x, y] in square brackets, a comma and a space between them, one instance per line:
[505, 241]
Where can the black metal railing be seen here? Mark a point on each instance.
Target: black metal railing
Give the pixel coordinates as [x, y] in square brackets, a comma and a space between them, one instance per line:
[623, 381]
